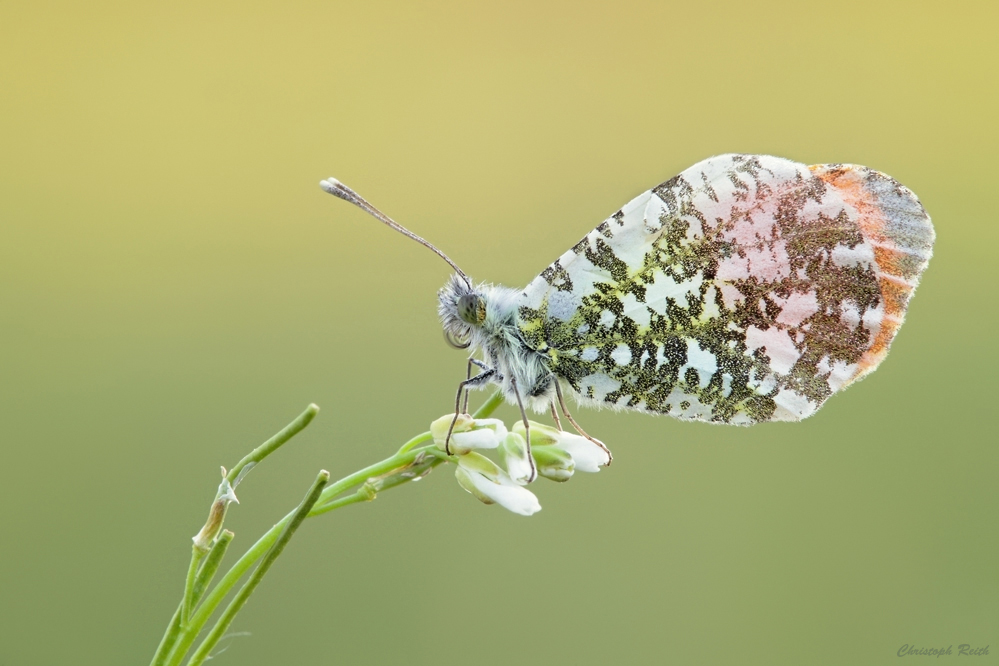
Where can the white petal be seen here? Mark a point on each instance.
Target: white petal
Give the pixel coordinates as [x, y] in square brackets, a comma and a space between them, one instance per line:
[514, 498]
[493, 424]
[506, 493]
[468, 433]
[463, 442]
[588, 456]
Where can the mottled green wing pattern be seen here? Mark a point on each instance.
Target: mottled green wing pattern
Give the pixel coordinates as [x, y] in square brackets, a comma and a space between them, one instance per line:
[746, 289]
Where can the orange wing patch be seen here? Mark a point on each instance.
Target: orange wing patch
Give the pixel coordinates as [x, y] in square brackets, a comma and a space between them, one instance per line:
[895, 224]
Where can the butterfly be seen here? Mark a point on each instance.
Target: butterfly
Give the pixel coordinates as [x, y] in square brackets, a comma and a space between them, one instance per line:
[748, 288]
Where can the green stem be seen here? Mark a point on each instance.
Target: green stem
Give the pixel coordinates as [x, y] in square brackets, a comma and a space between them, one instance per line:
[346, 500]
[212, 600]
[177, 629]
[192, 573]
[169, 638]
[273, 444]
[379, 468]
[237, 603]
[416, 441]
[204, 577]
[441, 455]
[489, 406]
[176, 642]
[211, 565]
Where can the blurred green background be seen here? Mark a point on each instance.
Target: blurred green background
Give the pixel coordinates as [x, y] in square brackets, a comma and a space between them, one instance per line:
[174, 287]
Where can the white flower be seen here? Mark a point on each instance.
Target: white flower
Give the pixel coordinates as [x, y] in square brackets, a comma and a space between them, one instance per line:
[488, 483]
[586, 455]
[468, 433]
[555, 455]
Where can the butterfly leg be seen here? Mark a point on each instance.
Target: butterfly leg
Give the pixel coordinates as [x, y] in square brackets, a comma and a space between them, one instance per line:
[479, 379]
[468, 375]
[565, 410]
[527, 429]
[558, 422]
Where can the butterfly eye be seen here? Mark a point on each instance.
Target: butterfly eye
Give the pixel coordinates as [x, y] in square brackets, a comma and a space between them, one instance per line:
[472, 309]
[457, 343]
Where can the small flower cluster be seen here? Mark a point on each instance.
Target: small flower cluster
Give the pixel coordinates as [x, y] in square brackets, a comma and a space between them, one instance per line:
[556, 455]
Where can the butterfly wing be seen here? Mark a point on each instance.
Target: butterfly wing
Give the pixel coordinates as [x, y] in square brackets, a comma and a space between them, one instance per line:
[748, 288]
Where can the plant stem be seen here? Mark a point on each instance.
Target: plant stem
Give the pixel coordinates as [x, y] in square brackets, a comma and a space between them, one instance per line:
[346, 500]
[169, 639]
[419, 439]
[489, 406]
[211, 565]
[190, 631]
[177, 628]
[273, 444]
[192, 573]
[183, 642]
[237, 603]
[360, 476]
[178, 640]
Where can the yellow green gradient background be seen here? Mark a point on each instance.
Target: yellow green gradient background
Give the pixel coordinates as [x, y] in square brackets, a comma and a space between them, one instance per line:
[174, 287]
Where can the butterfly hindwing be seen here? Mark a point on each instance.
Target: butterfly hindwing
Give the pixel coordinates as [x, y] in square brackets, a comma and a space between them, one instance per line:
[746, 289]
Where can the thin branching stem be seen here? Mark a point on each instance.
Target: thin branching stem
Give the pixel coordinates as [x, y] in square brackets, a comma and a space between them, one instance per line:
[169, 639]
[238, 601]
[192, 573]
[211, 564]
[411, 456]
[416, 441]
[273, 444]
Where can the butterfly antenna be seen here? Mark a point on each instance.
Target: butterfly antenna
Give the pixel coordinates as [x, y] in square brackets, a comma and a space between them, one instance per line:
[338, 189]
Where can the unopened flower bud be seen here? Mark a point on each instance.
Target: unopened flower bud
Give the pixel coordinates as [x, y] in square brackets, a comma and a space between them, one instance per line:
[440, 427]
[468, 433]
[541, 434]
[552, 462]
[513, 454]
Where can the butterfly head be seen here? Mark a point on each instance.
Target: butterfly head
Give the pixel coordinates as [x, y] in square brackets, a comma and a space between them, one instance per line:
[462, 310]
[481, 316]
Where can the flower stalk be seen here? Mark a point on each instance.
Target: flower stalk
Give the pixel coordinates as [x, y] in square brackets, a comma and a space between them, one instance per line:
[555, 454]
[297, 517]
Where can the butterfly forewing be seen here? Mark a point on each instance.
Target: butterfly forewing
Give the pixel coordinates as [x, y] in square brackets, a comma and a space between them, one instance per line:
[746, 289]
